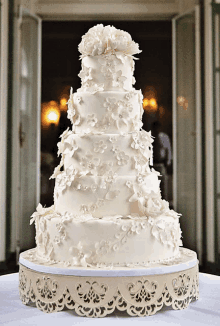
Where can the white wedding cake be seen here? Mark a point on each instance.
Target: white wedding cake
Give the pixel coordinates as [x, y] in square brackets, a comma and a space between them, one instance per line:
[108, 211]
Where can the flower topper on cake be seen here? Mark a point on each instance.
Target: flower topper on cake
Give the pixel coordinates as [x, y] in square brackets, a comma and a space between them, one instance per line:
[107, 39]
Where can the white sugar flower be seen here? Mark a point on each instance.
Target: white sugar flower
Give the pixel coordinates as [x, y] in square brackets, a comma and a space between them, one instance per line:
[112, 194]
[65, 134]
[67, 144]
[78, 98]
[139, 163]
[71, 113]
[154, 205]
[137, 123]
[84, 209]
[110, 177]
[108, 75]
[128, 184]
[146, 136]
[140, 178]
[102, 247]
[113, 139]
[94, 188]
[138, 144]
[100, 202]
[100, 147]
[115, 149]
[96, 88]
[90, 163]
[56, 172]
[66, 217]
[129, 95]
[71, 106]
[107, 39]
[60, 183]
[70, 175]
[133, 80]
[122, 158]
[85, 74]
[119, 80]
[92, 120]
[111, 104]
[79, 256]
[137, 196]
[136, 227]
[92, 208]
[65, 178]
[115, 247]
[103, 168]
[120, 118]
[108, 63]
[70, 145]
[41, 211]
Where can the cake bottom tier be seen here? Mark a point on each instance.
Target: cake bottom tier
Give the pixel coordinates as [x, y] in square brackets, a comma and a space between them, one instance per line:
[107, 242]
[91, 292]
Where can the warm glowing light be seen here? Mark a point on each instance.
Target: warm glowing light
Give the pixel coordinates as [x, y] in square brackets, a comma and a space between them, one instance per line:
[153, 103]
[182, 101]
[145, 102]
[50, 113]
[63, 106]
[150, 104]
[52, 116]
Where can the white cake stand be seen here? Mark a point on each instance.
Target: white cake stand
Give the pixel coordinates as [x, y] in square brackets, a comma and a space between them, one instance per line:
[140, 291]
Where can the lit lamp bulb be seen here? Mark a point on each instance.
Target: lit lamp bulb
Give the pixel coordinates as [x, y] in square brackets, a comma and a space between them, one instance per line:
[145, 102]
[52, 116]
[50, 113]
[153, 103]
[150, 104]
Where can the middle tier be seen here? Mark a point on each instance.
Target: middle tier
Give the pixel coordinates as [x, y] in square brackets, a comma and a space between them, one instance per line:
[97, 155]
[106, 111]
[103, 196]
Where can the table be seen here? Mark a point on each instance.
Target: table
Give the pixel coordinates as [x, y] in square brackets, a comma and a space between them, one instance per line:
[205, 311]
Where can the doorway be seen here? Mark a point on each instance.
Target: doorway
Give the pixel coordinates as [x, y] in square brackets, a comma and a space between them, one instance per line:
[60, 68]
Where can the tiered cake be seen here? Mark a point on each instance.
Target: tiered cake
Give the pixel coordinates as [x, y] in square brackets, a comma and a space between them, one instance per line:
[108, 210]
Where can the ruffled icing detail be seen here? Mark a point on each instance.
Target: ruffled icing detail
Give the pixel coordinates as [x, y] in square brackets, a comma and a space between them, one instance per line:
[107, 39]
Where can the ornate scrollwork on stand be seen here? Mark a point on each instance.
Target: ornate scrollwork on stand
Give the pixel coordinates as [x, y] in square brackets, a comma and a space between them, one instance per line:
[99, 296]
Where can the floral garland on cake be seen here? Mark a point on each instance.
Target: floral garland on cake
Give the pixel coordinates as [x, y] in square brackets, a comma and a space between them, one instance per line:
[107, 39]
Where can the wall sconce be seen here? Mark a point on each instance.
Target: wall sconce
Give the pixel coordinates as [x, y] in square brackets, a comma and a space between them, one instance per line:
[150, 104]
[50, 113]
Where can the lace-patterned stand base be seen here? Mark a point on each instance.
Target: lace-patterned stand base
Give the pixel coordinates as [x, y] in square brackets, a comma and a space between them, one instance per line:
[90, 292]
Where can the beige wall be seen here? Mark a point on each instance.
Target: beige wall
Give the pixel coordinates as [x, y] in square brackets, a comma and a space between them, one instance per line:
[186, 5]
[90, 9]
[105, 9]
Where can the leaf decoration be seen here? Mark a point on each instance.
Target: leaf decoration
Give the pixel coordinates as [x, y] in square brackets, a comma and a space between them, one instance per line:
[112, 194]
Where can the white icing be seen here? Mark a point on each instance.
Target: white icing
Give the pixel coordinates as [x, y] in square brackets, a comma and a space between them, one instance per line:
[111, 240]
[106, 111]
[108, 209]
[106, 72]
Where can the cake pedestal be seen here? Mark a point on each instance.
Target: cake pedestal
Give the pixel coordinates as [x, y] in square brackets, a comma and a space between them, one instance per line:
[140, 291]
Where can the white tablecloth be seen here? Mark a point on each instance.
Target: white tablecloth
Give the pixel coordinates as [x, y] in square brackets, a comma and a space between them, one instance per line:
[205, 311]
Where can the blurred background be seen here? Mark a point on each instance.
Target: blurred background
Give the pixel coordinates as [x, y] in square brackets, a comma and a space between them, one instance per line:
[178, 74]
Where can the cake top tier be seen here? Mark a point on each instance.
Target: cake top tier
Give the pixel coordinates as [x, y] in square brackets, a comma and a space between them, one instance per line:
[107, 39]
